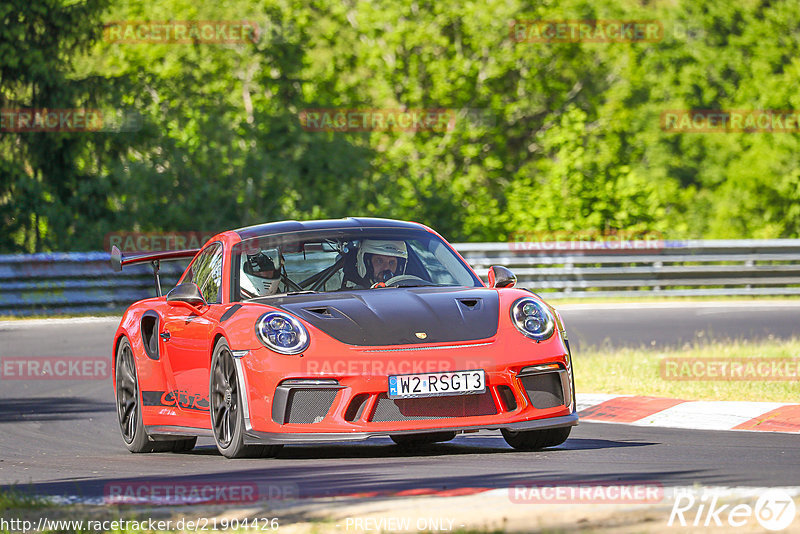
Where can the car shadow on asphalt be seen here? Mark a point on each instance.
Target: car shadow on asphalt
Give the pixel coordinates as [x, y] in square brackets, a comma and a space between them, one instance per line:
[385, 448]
[50, 408]
[577, 444]
[378, 448]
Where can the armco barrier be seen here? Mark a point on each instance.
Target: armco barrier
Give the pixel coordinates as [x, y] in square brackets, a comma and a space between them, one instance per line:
[60, 283]
[82, 282]
[646, 268]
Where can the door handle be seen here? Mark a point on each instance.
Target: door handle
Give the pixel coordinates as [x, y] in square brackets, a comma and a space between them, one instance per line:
[164, 335]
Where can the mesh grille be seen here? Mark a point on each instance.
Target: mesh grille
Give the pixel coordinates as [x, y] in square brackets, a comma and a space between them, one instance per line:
[544, 390]
[307, 406]
[387, 409]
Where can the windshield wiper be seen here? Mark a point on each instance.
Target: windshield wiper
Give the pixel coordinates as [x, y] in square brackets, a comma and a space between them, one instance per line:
[303, 292]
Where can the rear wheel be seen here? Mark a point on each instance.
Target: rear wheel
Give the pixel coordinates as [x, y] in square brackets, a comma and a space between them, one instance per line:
[413, 440]
[129, 410]
[533, 440]
[227, 418]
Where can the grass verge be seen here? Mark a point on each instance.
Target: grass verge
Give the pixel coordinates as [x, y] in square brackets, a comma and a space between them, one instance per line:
[13, 499]
[639, 372]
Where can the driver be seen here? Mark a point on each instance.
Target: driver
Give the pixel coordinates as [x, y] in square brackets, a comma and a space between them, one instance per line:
[380, 260]
[260, 277]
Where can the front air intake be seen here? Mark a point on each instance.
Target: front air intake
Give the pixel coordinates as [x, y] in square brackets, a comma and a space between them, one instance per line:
[544, 390]
[308, 406]
[387, 409]
[507, 396]
[303, 401]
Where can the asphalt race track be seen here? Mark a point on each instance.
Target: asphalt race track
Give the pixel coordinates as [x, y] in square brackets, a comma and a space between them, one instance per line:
[61, 437]
[674, 325]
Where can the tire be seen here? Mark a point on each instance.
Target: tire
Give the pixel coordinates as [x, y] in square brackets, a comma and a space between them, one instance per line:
[227, 418]
[184, 445]
[534, 440]
[129, 408]
[414, 440]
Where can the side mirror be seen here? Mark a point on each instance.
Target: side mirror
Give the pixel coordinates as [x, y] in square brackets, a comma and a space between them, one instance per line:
[187, 295]
[501, 277]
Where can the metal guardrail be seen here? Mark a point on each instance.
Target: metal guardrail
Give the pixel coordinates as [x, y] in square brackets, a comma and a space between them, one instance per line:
[62, 283]
[646, 268]
[75, 282]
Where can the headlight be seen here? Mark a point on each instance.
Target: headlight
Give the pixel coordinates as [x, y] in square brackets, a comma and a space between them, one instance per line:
[532, 318]
[282, 333]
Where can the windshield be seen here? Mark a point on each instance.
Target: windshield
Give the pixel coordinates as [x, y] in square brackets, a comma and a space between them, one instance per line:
[344, 260]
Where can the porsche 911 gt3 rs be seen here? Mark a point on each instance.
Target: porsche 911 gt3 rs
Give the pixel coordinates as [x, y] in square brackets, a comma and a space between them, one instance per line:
[305, 332]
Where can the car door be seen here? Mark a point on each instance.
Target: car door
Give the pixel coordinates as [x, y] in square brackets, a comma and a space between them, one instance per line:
[186, 338]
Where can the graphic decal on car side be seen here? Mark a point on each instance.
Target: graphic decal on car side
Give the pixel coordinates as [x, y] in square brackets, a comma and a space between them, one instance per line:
[181, 399]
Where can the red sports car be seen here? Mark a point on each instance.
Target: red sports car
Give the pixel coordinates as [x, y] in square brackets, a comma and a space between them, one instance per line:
[305, 332]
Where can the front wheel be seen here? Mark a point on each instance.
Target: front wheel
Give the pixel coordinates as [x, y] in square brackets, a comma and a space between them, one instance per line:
[227, 418]
[534, 440]
[129, 408]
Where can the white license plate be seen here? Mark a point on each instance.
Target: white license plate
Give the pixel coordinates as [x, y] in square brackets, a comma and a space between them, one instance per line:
[436, 384]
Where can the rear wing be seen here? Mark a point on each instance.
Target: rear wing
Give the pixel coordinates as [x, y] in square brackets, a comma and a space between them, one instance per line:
[118, 261]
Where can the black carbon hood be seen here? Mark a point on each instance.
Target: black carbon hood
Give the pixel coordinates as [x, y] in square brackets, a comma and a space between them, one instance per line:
[394, 316]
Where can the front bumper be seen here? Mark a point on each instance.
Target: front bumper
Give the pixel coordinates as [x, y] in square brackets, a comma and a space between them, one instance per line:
[276, 438]
[297, 400]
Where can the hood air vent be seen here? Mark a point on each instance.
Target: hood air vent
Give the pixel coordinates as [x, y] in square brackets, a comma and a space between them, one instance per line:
[471, 304]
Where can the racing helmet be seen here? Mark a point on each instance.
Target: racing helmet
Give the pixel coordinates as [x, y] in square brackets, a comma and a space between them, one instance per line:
[382, 247]
[260, 275]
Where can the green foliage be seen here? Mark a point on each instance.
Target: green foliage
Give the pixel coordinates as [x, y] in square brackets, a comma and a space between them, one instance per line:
[569, 137]
[47, 194]
[15, 500]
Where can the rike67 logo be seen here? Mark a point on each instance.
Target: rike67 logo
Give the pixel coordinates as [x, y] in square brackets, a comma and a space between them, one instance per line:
[774, 510]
